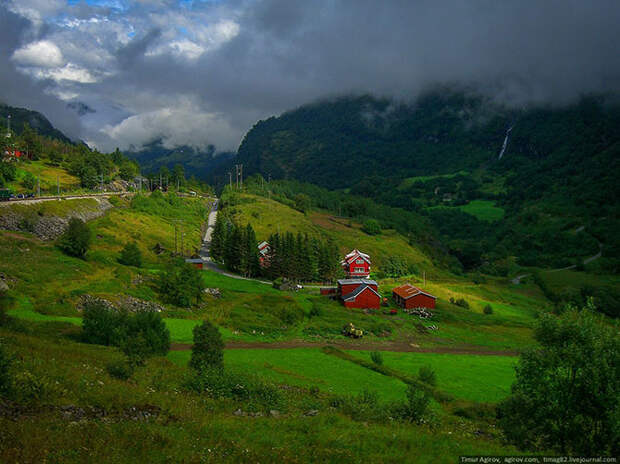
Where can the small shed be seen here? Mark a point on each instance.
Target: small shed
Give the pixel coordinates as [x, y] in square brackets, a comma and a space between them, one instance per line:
[407, 296]
[196, 262]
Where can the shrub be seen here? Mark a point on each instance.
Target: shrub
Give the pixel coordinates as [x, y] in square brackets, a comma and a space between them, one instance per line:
[372, 227]
[102, 325]
[362, 407]
[460, 302]
[5, 364]
[427, 375]
[220, 383]
[182, 284]
[416, 406]
[75, 241]
[208, 348]
[376, 357]
[316, 310]
[138, 335]
[131, 255]
[29, 181]
[396, 266]
[121, 370]
[488, 309]
[114, 201]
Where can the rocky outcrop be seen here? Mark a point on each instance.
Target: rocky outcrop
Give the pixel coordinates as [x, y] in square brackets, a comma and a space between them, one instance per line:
[49, 226]
[126, 302]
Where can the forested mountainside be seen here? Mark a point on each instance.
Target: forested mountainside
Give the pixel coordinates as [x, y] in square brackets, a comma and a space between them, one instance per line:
[495, 181]
[201, 164]
[34, 119]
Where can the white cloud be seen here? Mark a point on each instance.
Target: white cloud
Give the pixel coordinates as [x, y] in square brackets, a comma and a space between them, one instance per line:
[70, 72]
[183, 124]
[42, 54]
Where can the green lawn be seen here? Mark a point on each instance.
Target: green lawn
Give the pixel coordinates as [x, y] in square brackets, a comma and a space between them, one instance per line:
[409, 181]
[308, 367]
[469, 377]
[484, 210]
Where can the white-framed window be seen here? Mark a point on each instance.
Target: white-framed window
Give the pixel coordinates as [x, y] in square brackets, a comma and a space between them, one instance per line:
[359, 261]
[360, 269]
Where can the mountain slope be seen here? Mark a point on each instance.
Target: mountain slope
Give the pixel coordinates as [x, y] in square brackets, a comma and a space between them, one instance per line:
[21, 116]
[558, 168]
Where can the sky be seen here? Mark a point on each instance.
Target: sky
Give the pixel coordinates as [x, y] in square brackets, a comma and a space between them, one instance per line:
[202, 72]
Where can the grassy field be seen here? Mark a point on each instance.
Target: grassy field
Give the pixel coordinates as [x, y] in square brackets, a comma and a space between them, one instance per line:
[459, 375]
[485, 210]
[76, 397]
[269, 216]
[48, 175]
[409, 181]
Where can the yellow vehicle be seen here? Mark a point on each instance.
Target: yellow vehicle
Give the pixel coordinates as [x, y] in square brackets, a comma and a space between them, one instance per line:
[350, 330]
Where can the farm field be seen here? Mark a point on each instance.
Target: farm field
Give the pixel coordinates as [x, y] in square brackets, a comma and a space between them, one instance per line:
[49, 177]
[484, 210]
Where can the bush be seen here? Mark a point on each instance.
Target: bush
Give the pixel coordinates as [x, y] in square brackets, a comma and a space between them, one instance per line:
[208, 348]
[131, 255]
[138, 335]
[460, 302]
[316, 310]
[220, 383]
[102, 325]
[75, 241]
[121, 370]
[182, 284]
[396, 266]
[29, 181]
[376, 357]
[427, 375]
[488, 309]
[372, 227]
[416, 406]
[5, 365]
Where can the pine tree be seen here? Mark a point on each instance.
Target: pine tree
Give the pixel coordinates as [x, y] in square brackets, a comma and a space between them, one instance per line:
[218, 239]
[251, 251]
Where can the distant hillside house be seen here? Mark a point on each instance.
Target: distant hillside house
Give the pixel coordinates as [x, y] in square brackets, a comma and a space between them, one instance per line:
[407, 296]
[263, 253]
[359, 293]
[356, 264]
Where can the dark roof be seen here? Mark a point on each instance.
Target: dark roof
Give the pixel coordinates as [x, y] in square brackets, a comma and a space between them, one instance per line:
[357, 281]
[355, 293]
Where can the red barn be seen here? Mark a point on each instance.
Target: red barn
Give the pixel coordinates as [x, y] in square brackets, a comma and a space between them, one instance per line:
[359, 293]
[407, 296]
[356, 264]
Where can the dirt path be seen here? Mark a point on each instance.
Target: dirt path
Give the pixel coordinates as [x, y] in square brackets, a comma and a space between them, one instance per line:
[400, 347]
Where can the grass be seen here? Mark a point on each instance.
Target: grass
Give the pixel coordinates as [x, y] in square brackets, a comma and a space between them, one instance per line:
[308, 367]
[48, 176]
[269, 216]
[459, 375]
[409, 181]
[485, 210]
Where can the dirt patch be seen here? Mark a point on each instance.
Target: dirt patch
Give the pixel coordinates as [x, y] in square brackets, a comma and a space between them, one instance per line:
[400, 347]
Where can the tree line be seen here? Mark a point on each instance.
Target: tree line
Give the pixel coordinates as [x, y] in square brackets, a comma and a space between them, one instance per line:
[296, 257]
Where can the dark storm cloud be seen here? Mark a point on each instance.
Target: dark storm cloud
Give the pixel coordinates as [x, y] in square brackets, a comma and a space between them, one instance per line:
[231, 63]
[19, 90]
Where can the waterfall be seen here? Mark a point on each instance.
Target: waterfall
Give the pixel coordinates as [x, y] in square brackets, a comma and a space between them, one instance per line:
[501, 153]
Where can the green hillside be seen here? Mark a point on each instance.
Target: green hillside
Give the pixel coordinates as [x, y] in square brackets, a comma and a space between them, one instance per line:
[557, 173]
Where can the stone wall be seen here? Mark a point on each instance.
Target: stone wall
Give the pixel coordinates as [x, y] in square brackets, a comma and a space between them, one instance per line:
[49, 226]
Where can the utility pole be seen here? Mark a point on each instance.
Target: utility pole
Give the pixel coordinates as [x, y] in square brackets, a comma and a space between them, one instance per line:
[8, 126]
[101, 183]
[175, 238]
[160, 181]
[58, 185]
[241, 175]
[38, 186]
[230, 178]
[424, 274]
[182, 237]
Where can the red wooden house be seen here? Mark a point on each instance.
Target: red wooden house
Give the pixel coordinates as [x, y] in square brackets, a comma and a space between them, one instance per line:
[263, 253]
[407, 296]
[359, 293]
[356, 264]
